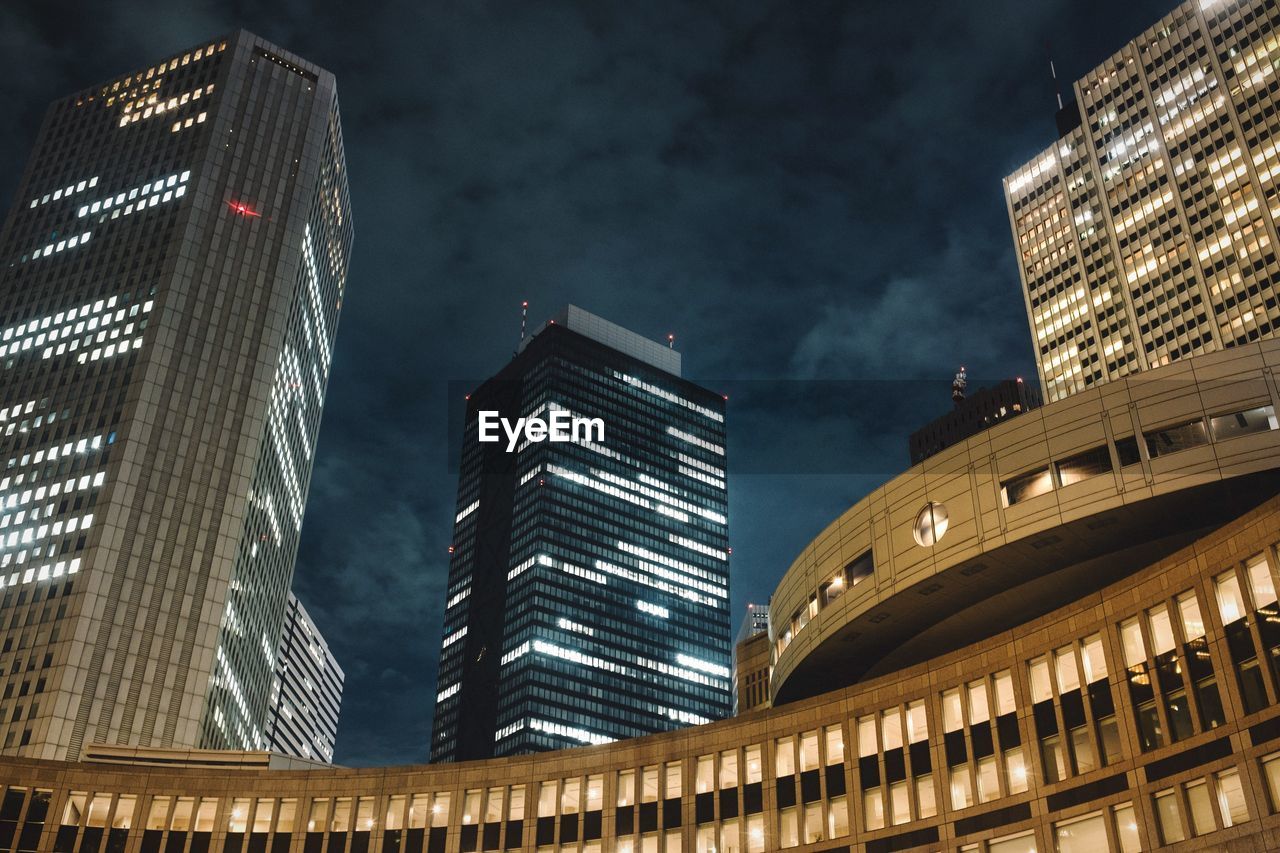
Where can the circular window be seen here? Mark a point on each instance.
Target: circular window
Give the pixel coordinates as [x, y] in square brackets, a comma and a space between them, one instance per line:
[931, 524]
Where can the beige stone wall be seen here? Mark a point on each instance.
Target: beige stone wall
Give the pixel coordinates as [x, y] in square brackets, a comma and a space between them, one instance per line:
[966, 479]
[1000, 667]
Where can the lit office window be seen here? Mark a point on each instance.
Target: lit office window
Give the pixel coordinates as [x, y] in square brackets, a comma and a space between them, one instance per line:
[1026, 486]
[1169, 817]
[1085, 834]
[1232, 806]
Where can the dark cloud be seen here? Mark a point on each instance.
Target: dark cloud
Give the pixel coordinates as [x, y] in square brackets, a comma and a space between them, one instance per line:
[807, 194]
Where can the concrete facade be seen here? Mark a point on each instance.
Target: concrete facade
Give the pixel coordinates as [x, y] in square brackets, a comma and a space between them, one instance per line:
[999, 563]
[306, 695]
[1146, 233]
[164, 370]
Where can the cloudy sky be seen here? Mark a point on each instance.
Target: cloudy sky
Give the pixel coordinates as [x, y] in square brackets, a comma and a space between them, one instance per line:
[806, 192]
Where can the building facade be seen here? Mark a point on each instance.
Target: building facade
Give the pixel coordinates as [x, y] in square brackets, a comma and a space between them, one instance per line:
[751, 660]
[1139, 712]
[971, 415]
[175, 264]
[751, 667]
[1147, 232]
[589, 582]
[306, 696]
[756, 621]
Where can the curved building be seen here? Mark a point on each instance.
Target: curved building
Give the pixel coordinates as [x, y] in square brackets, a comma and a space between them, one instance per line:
[1062, 634]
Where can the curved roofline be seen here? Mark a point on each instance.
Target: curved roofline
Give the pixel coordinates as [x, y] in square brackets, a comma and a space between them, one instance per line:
[1031, 517]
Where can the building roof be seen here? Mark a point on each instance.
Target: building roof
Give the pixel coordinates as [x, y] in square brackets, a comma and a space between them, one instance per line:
[661, 356]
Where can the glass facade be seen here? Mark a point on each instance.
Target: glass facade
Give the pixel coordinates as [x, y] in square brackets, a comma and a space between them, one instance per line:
[589, 583]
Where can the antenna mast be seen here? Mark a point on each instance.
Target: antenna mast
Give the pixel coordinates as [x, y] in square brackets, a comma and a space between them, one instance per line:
[524, 318]
[1053, 72]
[958, 385]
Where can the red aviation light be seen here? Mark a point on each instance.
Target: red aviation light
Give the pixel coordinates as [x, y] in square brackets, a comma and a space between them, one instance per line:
[242, 208]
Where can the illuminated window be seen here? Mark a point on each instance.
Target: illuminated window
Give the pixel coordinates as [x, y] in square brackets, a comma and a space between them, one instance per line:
[1025, 486]
[1169, 817]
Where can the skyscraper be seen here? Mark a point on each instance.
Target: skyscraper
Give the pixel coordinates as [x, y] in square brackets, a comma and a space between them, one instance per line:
[751, 660]
[1147, 231]
[174, 267]
[306, 695]
[589, 583]
[756, 621]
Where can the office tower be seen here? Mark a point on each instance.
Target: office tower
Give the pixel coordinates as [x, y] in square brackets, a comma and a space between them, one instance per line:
[755, 622]
[751, 661]
[589, 583]
[175, 263]
[306, 695]
[1146, 232]
[971, 415]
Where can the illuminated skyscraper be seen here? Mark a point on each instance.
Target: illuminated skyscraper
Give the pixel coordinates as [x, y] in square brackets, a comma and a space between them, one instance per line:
[1147, 232]
[174, 266]
[307, 694]
[589, 583]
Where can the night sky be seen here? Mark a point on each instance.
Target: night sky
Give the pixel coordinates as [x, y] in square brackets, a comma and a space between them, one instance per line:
[806, 193]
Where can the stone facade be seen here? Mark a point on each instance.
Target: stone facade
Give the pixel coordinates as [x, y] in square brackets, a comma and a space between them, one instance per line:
[1032, 737]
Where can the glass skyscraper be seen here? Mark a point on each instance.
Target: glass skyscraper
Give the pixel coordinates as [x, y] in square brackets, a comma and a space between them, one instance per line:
[173, 271]
[589, 583]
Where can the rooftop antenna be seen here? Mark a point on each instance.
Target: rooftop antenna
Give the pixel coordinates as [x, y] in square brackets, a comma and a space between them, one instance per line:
[1053, 72]
[958, 385]
[671, 340]
[524, 318]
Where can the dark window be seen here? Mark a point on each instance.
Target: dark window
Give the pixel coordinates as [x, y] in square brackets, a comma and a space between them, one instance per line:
[1260, 419]
[859, 570]
[1171, 439]
[1084, 465]
[1127, 451]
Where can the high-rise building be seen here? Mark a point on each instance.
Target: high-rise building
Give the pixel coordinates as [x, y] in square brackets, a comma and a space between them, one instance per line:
[971, 415]
[174, 267]
[306, 695]
[751, 661]
[1147, 231]
[756, 621]
[589, 583]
